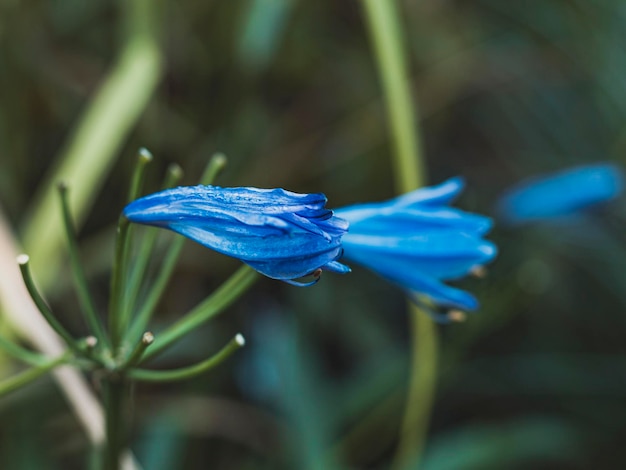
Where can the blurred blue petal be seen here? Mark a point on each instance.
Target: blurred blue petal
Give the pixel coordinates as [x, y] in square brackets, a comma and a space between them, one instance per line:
[417, 242]
[562, 194]
[281, 234]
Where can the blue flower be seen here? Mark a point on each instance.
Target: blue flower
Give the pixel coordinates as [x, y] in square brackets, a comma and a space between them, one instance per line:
[417, 241]
[281, 234]
[562, 194]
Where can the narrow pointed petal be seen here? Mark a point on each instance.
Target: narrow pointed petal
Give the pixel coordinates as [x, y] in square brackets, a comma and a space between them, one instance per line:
[417, 241]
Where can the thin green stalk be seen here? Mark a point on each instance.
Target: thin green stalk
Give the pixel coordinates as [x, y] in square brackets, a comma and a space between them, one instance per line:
[385, 31]
[422, 387]
[41, 304]
[143, 158]
[146, 340]
[118, 278]
[156, 290]
[80, 279]
[115, 391]
[227, 293]
[31, 374]
[146, 246]
[409, 167]
[20, 353]
[215, 165]
[192, 371]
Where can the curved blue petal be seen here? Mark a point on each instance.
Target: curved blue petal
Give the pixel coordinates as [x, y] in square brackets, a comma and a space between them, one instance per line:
[421, 282]
[420, 199]
[281, 234]
[561, 194]
[391, 219]
[442, 194]
[443, 256]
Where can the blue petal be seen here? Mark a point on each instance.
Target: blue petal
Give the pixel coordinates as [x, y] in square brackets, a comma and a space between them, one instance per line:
[446, 255]
[416, 281]
[561, 194]
[295, 267]
[423, 199]
[442, 194]
[417, 241]
[337, 267]
[393, 220]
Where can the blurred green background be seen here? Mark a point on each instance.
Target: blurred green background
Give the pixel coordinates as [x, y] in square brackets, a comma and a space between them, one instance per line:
[289, 91]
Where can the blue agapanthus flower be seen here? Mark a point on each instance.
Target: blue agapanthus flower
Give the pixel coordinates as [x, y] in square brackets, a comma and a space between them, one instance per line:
[417, 242]
[281, 234]
[562, 194]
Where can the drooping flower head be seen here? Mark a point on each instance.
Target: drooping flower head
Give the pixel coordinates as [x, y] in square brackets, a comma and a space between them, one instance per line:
[281, 234]
[417, 241]
[562, 194]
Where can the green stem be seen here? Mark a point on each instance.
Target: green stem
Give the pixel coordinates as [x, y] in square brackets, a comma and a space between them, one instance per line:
[141, 23]
[41, 304]
[115, 392]
[192, 371]
[409, 167]
[143, 158]
[422, 387]
[385, 32]
[148, 241]
[227, 293]
[118, 278]
[146, 340]
[215, 165]
[20, 353]
[173, 175]
[29, 375]
[157, 289]
[82, 288]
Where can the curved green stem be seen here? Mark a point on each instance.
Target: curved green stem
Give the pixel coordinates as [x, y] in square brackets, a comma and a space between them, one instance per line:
[31, 374]
[146, 340]
[192, 371]
[156, 290]
[146, 246]
[215, 165]
[118, 278]
[41, 304]
[143, 158]
[227, 293]
[20, 353]
[409, 166]
[82, 288]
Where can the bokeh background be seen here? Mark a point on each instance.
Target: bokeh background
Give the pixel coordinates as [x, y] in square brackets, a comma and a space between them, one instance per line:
[289, 91]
